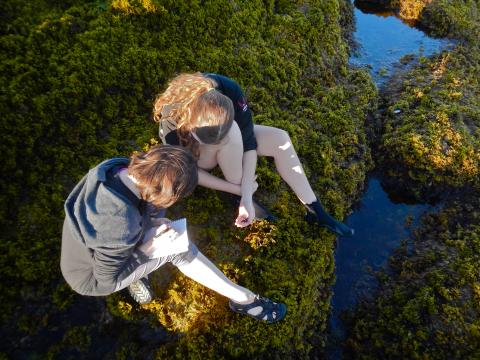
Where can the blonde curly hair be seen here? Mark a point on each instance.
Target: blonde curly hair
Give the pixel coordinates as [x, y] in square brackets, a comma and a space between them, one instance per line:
[193, 104]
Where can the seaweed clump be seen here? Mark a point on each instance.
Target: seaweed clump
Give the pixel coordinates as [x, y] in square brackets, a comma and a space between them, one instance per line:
[427, 304]
[430, 142]
[78, 80]
[428, 301]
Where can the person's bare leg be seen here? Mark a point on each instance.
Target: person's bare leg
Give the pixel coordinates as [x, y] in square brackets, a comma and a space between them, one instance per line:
[206, 162]
[230, 156]
[242, 300]
[208, 156]
[276, 143]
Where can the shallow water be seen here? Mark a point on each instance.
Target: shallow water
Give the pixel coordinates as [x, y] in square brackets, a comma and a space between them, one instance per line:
[385, 39]
[380, 223]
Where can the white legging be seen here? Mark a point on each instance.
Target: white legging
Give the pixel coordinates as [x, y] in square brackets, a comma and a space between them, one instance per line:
[272, 142]
[194, 265]
[206, 273]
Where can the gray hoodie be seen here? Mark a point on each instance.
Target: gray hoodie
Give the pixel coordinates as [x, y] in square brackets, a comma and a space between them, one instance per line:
[101, 230]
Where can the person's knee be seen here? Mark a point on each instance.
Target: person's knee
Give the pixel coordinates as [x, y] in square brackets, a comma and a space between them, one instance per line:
[233, 178]
[186, 257]
[283, 141]
[283, 136]
[231, 164]
[233, 174]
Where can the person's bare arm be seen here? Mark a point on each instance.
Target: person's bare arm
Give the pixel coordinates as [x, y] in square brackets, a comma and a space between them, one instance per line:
[246, 211]
[212, 182]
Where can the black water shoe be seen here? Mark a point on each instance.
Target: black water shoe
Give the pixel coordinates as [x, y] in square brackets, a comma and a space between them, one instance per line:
[261, 309]
[316, 213]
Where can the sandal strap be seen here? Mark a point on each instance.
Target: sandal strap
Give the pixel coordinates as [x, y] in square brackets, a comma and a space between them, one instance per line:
[270, 310]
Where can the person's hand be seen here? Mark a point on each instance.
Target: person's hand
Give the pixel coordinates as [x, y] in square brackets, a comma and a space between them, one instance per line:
[156, 237]
[246, 213]
[166, 232]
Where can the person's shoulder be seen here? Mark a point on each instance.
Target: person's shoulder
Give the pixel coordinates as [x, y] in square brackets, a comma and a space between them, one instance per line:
[117, 218]
[217, 77]
[226, 85]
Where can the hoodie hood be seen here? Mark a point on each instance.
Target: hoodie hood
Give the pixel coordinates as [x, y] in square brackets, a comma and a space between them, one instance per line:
[93, 206]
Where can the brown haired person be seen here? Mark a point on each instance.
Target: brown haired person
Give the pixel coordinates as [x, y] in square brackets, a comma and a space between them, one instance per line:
[209, 114]
[111, 239]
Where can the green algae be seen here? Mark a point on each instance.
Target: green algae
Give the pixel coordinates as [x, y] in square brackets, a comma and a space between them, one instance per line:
[430, 142]
[78, 84]
[427, 306]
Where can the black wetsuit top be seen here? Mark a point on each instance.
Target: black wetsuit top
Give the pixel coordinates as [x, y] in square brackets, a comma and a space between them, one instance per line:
[243, 115]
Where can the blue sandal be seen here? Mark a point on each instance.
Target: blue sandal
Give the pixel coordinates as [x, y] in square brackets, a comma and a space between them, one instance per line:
[271, 311]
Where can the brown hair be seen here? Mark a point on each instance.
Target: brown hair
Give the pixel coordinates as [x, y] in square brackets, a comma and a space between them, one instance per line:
[164, 174]
[192, 101]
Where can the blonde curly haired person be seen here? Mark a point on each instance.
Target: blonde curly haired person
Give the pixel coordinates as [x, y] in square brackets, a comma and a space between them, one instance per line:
[209, 114]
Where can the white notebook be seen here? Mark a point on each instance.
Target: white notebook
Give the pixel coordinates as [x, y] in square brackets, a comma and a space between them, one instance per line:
[158, 244]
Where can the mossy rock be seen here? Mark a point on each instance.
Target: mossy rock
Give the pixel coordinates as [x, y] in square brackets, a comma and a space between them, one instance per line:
[427, 305]
[405, 9]
[449, 18]
[431, 142]
[430, 114]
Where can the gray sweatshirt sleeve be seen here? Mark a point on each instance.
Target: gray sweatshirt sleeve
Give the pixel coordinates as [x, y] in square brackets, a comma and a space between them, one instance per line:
[109, 264]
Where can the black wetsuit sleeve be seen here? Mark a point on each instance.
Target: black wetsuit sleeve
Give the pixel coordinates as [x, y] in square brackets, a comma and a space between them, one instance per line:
[243, 114]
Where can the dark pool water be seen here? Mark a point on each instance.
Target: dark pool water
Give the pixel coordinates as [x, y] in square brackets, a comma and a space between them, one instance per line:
[385, 39]
[380, 223]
